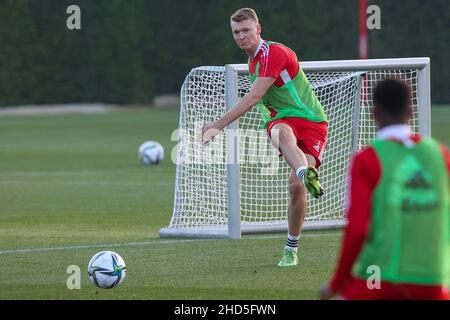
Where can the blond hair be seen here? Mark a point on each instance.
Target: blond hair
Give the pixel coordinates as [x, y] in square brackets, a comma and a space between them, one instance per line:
[244, 14]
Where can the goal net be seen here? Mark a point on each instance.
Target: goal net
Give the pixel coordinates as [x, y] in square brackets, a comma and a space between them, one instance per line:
[238, 184]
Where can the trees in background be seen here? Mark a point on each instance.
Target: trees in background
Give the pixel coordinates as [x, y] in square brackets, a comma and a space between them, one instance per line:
[128, 51]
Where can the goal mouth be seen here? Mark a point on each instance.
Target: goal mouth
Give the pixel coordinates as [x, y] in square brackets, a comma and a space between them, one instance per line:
[238, 184]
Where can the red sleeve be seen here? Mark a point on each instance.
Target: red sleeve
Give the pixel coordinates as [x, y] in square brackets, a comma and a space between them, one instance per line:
[272, 62]
[446, 155]
[364, 174]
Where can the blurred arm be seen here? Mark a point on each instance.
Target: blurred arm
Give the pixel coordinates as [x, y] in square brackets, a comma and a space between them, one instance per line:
[446, 155]
[364, 175]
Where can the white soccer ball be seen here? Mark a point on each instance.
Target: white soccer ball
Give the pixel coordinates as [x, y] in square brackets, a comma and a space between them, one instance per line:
[151, 152]
[107, 269]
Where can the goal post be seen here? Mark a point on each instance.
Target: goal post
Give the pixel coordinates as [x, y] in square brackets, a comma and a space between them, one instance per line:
[232, 146]
[237, 184]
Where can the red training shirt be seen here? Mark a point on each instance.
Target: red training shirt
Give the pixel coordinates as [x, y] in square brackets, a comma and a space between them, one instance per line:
[272, 60]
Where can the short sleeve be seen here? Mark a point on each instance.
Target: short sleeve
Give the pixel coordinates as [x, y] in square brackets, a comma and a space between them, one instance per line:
[272, 62]
[446, 155]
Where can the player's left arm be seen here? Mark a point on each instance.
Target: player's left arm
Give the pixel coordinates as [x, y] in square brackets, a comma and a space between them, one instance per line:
[271, 66]
[256, 93]
[446, 155]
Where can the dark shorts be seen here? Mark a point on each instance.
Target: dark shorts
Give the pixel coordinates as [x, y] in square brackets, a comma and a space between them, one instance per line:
[311, 136]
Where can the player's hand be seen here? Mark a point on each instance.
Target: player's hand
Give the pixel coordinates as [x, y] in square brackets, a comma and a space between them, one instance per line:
[325, 292]
[208, 132]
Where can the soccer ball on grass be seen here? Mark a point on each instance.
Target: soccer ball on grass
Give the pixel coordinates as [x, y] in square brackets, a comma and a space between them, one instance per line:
[107, 269]
[151, 152]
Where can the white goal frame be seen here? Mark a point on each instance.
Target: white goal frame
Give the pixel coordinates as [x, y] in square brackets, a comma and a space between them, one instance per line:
[235, 229]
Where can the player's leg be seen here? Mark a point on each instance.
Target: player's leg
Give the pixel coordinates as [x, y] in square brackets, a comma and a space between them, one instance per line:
[297, 205]
[298, 201]
[284, 139]
[296, 216]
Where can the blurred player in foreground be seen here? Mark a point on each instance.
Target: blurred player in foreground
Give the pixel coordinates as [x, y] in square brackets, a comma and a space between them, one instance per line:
[397, 210]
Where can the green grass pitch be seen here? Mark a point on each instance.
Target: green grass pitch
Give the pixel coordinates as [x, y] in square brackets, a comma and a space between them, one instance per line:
[71, 185]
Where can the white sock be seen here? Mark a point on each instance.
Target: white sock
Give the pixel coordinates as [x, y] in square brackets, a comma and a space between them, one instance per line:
[292, 243]
[301, 173]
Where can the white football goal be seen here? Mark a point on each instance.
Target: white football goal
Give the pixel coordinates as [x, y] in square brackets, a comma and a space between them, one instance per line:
[237, 183]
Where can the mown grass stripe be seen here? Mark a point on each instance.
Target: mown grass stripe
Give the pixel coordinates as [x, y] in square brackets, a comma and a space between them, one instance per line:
[149, 242]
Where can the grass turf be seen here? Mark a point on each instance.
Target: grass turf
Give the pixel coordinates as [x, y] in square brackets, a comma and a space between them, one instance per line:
[71, 185]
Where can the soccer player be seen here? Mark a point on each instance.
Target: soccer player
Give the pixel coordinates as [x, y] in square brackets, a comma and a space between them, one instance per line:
[293, 117]
[397, 211]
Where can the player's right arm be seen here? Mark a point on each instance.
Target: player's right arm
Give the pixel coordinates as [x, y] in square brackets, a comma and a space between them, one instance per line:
[271, 65]
[256, 93]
